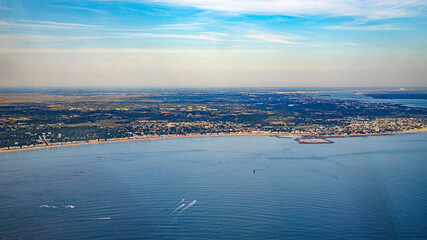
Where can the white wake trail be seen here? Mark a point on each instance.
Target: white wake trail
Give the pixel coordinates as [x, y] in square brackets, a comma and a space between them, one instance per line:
[189, 205]
[47, 206]
[179, 202]
[176, 209]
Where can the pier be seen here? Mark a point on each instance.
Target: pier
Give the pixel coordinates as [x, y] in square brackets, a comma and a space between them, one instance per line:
[313, 140]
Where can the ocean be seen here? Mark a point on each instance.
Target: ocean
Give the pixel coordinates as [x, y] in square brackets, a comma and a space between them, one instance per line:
[355, 95]
[245, 187]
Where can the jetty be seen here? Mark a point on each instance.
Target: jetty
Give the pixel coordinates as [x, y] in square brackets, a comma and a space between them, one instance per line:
[312, 140]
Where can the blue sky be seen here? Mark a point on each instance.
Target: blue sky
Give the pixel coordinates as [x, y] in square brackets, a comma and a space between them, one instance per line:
[170, 43]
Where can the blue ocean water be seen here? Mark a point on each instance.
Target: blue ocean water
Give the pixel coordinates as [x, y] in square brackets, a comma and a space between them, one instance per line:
[355, 95]
[205, 188]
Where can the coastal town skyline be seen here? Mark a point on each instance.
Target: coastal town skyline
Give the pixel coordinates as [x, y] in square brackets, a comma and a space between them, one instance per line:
[213, 44]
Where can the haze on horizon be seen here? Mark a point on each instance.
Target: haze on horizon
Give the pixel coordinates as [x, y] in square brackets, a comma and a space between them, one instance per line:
[207, 43]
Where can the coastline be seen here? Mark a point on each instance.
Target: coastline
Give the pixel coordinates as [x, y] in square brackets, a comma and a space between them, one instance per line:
[204, 135]
[376, 134]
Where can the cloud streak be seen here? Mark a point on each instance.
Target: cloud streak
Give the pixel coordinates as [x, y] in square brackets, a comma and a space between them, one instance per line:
[272, 38]
[5, 8]
[181, 26]
[85, 51]
[96, 51]
[82, 8]
[45, 38]
[382, 27]
[45, 24]
[370, 9]
[176, 36]
[352, 44]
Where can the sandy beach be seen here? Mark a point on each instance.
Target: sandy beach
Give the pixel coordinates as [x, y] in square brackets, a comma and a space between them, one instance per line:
[203, 135]
[376, 134]
[141, 139]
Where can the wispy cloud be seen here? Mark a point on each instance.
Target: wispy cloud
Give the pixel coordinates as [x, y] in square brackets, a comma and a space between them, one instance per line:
[19, 39]
[216, 34]
[382, 27]
[83, 51]
[96, 51]
[352, 44]
[45, 38]
[5, 8]
[77, 26]
[82, 8]
[272, 38]
[45, 24]
[181, 26]
[371, 9]
[176, 36]
[61, 24]
[332, 45]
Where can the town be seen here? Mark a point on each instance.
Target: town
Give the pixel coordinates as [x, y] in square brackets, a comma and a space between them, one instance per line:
[48, 117]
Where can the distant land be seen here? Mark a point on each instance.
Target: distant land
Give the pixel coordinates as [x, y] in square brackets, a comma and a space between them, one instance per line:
[35, 118]
[402, 94]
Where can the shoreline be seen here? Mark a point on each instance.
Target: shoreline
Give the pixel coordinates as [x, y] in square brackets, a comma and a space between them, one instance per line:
[205, 135]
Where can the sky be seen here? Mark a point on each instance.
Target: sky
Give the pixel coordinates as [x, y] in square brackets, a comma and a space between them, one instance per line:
[213, 43]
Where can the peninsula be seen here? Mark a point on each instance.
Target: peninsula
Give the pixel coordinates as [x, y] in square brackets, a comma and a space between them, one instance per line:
[38, 118]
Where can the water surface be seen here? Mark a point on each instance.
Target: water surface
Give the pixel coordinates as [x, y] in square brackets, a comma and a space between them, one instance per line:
[356, 95]
[356, 188]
